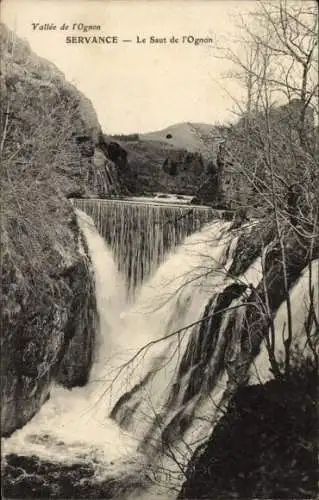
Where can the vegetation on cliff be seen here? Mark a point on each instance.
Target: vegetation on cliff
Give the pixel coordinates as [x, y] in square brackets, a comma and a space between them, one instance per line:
[265, 445]
[49, 129]
[177, 159]
[269, 173]
[51, 148]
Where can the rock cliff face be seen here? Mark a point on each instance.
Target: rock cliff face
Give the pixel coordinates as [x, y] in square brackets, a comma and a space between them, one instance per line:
[51, 149]
[49, 322]
[41, 111]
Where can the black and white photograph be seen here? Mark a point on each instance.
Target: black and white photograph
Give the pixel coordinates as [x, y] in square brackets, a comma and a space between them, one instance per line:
[159, 249]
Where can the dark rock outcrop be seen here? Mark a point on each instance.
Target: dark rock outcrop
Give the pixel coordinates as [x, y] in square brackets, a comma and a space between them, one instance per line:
[118, 156]
[49, 324]
[32, 477]
[264, 447]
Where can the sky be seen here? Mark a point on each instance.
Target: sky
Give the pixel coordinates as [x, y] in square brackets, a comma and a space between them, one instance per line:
[137, 87]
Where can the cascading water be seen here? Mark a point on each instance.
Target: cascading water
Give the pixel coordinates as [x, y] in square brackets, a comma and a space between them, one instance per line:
[260, 371]
[141, 234]
[174, 298]
[162, 363]
[72, 426]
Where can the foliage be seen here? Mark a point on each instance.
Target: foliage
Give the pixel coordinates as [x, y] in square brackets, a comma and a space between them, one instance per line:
[125, 137]
[35, 132]
[42, 162]
[45, 148]
[273, 145]
[270, 156]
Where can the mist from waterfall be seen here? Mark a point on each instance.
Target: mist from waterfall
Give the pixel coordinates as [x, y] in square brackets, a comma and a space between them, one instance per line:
[73, 425]
[158, 368]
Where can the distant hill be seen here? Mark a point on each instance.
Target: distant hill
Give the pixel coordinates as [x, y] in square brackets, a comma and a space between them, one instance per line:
[194, 137]
[172, 160]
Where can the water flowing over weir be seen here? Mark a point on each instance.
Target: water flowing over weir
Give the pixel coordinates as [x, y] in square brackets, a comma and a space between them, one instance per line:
[73, 426]
[141, 234]
[148, 408]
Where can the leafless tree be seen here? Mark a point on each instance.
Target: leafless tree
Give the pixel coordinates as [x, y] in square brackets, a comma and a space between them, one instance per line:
[272, 156]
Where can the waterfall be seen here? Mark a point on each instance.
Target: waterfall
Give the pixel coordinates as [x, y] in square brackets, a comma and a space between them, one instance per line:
[260, 371]
[72, 426]
[164, 361]
[172, 407]
[141, 234]
[173, 298]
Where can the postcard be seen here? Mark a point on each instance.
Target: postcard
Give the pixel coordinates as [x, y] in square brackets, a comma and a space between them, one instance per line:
[159, 249]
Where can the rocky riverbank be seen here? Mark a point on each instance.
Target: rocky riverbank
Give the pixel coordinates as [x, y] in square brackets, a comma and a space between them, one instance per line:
[51, 149]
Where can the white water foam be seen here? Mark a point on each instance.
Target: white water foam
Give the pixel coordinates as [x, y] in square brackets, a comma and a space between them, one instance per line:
[73, 425]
